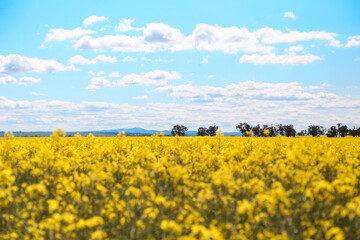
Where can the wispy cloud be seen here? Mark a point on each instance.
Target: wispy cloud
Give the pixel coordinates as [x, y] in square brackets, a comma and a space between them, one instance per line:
[124, 25]
[21, 81]
[37, 94]
[114, 75]
[60, 34]
[353, 42]
[156, 77]
[140, 97]
[285, 59]
[129, 59]
[93, 19]
[320, 108]
[78, 59]
[204, 61]
[289, 15]
[297, 48]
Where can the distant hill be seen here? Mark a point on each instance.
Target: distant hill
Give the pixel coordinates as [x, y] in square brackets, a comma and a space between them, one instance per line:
[109, 133]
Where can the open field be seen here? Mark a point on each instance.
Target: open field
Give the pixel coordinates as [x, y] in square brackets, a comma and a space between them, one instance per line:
[185, 188]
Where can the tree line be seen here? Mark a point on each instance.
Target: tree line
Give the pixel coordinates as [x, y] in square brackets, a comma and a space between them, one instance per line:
[246, 129]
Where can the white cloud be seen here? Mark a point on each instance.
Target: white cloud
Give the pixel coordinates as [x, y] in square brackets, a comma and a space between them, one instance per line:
[163, 37]
[28, 80]
[285, 59]
[270, 36]
[205, 61]
[98, 82]
[92, 73]
[114, 75]
[8, 80]
[229, 40]
[211, 76]
[60, 34]
[78, 59]
[104, 59]
[93, 19]
[140, 97]
[129, 59]
[320, 108]
[124, 25]
[353, 42]
[161, 33]
[37, 94]
[160, 60]
[22, 80]
[297, 48]
[17, 64]
[319, 87]
[204, 37]
[289, 15]
[156, 78]
[118, 43]
[249, 90]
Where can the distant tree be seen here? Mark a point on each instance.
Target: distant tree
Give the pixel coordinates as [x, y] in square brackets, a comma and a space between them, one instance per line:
[257, 131]
[354, 131]
[280, 129]
[212, 130]
[179, 130]
[243, 128]
[272, 131]
[332, 132]
[202, 131]
[265, 127]
[316, 130]
[342, 130]
[302, 133]
[289, 130]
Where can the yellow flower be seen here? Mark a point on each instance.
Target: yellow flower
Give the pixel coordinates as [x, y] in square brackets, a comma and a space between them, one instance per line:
[266, 132]
[53, 205]
[334, 233]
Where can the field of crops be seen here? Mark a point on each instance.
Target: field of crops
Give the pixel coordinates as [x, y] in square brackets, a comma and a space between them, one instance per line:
[179, 188]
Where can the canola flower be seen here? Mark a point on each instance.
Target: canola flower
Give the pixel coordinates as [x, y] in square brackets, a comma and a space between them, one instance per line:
[266, 132]
[179, 187]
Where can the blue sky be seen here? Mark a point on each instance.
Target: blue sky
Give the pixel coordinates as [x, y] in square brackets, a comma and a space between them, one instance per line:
[81, 65]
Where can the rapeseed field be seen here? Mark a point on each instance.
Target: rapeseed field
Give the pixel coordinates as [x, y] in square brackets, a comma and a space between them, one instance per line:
[179, 187]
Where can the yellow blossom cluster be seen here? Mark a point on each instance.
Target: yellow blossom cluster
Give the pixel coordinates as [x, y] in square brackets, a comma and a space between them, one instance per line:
[179, 187]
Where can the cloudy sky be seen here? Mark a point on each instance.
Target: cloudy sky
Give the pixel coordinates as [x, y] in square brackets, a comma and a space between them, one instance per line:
[92, 65]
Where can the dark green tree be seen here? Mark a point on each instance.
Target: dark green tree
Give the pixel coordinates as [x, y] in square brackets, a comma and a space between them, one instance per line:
[332, 132]
[178, 130]
[280, 129]
[316, 130]
[243, 127]
[257, 131]
[354, 131]
[273, 131]
[302, 133]
[212, 130]
[289, 130]
[202, 131]
[342, 130]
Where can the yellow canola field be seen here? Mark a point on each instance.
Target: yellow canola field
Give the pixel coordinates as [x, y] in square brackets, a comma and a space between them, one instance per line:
[179, 188]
